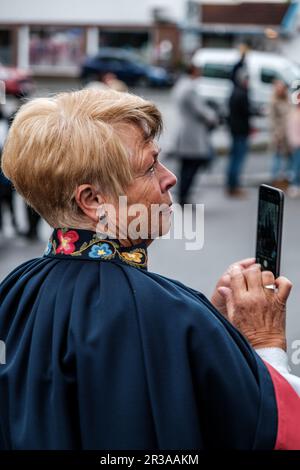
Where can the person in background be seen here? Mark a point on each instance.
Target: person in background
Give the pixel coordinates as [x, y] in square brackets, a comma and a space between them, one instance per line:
[192, 142]
[6, 190]
[239, 125]
[32, 217]
[6, 199]
[293, 133]
[282, 160]
[33, 220]
[244, 48]
[107, 80]
[114, 83]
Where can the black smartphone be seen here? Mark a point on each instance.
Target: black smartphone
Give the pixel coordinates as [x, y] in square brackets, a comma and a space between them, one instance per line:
[269, 228]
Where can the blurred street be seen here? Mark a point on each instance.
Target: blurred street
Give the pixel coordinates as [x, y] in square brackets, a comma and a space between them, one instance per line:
[230, 225]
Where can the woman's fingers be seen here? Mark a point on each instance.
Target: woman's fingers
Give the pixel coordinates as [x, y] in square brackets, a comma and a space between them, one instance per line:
[267, 278]
[226, 293]
[238, 282]
[284, 287]
[246, 263]
[253, 277]
[243, 263]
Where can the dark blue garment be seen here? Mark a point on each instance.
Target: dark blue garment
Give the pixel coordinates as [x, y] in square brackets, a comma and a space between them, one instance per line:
[239, 111]
[102, 354]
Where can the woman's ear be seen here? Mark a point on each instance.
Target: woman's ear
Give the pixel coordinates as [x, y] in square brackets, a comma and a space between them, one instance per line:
[89, 199]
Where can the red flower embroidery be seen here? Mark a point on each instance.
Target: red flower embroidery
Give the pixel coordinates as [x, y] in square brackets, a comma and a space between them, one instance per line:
[66, 239]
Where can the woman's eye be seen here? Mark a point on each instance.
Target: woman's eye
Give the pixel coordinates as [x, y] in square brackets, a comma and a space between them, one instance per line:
[152, 168]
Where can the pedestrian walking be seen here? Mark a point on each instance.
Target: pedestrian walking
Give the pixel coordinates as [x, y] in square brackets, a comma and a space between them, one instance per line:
[196, 119]
[239, 125]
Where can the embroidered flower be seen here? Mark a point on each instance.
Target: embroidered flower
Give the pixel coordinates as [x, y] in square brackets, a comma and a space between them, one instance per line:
[100, 251]
[48, 248]
[66, 240]
[133, 257]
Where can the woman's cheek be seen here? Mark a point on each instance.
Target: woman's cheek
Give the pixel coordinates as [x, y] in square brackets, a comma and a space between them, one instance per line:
[153, 191]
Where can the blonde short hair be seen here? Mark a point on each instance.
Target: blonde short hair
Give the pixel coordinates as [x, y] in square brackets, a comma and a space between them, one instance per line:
[56, 144]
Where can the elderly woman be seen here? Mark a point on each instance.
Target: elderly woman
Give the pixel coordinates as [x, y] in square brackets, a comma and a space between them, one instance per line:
[102, 353]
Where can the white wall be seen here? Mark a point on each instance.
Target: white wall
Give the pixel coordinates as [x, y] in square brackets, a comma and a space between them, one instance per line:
[290, 46]
[86, 11]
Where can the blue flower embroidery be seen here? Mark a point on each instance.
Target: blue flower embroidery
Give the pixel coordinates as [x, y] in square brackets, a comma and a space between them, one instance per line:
[100, 251]
[48, 248]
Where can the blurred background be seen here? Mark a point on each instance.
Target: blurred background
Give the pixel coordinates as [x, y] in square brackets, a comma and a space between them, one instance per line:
[146, 47]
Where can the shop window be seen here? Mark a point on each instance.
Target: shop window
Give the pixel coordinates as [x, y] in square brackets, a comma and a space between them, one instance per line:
[6, 46]
[51, 46]
[217, 71]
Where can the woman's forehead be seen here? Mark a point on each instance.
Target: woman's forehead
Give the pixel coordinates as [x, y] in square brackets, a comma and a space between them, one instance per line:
[134, 136]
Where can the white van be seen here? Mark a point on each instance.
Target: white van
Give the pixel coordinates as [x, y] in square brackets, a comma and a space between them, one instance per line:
[216, 64]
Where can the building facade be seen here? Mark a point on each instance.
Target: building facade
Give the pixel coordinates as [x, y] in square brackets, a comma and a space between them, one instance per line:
[53, 37]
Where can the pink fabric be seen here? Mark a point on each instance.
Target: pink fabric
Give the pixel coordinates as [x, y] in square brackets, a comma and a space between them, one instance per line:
[288, 410]
[293, 127]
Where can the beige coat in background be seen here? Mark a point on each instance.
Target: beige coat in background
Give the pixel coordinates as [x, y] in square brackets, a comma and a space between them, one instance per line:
[279, 111]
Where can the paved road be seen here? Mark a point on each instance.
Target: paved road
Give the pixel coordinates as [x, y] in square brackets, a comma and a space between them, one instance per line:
[229, 233]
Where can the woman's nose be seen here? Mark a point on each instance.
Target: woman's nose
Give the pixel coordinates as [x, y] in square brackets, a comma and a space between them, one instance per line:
[168, 179]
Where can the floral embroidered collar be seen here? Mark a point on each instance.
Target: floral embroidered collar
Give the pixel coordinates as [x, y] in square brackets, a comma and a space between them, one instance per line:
[85, 244]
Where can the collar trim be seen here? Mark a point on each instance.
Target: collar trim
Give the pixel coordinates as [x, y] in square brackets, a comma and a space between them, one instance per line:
[86, 244]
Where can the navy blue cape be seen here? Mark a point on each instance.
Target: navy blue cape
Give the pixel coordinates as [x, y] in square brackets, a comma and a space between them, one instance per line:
[102, 354]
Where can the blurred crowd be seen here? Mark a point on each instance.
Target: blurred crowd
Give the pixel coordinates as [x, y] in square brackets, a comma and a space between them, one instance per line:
[197, 119]
[192, 145]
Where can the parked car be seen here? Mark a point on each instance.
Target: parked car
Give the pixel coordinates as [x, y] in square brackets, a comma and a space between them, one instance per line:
[18, 82]
[127, 66]
[216, 65]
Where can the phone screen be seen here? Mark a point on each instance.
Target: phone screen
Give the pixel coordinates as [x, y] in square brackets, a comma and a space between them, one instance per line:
[269, 228]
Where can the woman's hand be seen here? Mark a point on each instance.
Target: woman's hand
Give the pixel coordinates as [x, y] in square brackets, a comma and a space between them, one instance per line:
[218, 300]
[259, 313]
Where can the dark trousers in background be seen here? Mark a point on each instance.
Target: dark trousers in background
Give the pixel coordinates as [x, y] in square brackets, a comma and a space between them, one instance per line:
[237, 158]
[296, 167]
[6, 199]
[33, 220]
[188, 170]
